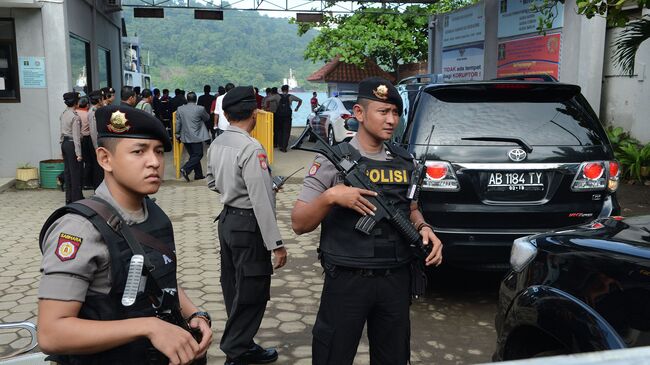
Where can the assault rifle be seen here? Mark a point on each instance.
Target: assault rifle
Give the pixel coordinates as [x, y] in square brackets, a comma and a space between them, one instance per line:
[355, 176]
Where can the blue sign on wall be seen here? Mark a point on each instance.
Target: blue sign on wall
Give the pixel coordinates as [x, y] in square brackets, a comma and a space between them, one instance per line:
[31, 72]
[515, 17]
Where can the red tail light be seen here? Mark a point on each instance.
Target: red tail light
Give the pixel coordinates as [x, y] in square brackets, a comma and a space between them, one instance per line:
[593, 170]
[346, 116]
[613, 169]
[437, 171]
[511, 86]
[597, 175]
[440, 176]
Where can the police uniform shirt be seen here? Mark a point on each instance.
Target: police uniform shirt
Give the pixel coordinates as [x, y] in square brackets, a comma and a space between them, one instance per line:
[322, 175]
[92, 123]
[71, 127]
[76, 262]
[238, 169]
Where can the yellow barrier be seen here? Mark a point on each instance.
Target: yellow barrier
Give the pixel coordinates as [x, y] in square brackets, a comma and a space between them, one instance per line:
[177, 148]
[263, 132]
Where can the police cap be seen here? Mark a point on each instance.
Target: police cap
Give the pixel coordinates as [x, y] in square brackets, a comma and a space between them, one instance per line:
[239, 98]
[379, 89]
[71, 97]
[119, 121]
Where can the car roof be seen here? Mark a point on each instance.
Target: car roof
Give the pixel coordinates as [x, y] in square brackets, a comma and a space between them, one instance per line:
[498, 89]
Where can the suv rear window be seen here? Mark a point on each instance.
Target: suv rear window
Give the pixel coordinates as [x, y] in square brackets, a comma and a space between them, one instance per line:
[541, 116]
[348, 104]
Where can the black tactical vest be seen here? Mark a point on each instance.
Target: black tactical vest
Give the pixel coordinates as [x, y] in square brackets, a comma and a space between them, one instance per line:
[109, 307]
[342, 245]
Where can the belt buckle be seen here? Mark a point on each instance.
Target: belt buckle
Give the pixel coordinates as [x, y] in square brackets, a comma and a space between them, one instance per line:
[367, 273]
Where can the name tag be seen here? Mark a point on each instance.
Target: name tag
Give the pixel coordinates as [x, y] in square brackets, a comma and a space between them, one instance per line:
[388, 176]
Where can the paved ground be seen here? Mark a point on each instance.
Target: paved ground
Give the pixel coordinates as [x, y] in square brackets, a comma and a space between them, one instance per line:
[452, 324]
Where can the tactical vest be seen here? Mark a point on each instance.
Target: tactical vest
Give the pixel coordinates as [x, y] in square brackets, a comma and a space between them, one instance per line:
[108, 307]
[342, 245]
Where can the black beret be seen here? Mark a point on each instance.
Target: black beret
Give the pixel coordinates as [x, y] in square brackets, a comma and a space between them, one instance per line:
[379, 89]
[119, 121]
[107, 91]
[95, 96]
[238, 98]
[71, 96]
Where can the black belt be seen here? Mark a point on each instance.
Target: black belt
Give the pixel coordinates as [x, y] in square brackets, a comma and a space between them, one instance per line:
[239, 211]
[67, 138]
[370, 272]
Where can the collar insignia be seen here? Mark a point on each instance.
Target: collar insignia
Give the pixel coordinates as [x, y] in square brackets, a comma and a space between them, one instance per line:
[381, 92]
[118, 123]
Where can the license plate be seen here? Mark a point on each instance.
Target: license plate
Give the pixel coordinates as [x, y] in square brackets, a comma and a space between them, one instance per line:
[516, 181]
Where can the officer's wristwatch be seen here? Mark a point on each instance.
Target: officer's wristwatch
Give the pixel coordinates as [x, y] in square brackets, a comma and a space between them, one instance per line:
[200, 314]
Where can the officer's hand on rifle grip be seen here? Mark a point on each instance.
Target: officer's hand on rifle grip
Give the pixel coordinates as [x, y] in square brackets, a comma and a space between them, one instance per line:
[174, 342]
[352, 198]
[428, 237]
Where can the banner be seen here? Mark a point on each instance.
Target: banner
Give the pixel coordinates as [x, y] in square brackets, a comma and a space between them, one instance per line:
[464, 26]
[463, 63]
[536, 55]
[515, 17]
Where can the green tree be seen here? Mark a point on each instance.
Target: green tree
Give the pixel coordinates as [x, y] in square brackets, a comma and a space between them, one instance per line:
[386, 35]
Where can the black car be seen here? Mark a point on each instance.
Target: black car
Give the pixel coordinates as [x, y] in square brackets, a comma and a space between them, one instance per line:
[508, 159]
[577, 290]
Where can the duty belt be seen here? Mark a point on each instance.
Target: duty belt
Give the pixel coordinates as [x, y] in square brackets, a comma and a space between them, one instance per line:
[239, 211]
[370, 272]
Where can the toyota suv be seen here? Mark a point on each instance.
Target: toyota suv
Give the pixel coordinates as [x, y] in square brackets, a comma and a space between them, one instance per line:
[506, 159]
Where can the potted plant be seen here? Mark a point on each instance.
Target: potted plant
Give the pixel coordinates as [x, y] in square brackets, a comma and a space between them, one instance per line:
[26, 177]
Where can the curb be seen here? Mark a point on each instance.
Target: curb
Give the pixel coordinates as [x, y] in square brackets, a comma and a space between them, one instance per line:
[6, 184]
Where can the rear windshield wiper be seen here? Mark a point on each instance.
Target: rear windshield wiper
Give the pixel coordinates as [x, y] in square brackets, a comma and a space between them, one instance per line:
[516, 140]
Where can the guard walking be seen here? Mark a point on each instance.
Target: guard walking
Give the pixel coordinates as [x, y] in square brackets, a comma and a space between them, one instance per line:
[94, 307]
[71, 148]
[367, 277]
[238, 169]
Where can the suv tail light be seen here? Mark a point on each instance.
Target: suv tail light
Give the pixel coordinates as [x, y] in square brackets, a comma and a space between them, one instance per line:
[597, 175]
[346, 116]
[439, 175]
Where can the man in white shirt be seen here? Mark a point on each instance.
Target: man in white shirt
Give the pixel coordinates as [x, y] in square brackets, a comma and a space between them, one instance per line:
[220, 120]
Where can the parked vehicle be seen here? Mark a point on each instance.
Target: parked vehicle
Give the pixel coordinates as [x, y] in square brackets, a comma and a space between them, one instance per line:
[581, 289]
[330, 120]
[508, 159]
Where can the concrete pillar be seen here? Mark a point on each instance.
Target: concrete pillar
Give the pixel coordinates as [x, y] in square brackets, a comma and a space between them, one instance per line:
[57, 66]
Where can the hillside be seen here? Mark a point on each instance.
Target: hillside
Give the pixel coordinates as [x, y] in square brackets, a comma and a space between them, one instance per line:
[246, 48]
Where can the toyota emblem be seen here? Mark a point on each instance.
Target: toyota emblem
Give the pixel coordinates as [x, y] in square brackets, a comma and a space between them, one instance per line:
[517, 155]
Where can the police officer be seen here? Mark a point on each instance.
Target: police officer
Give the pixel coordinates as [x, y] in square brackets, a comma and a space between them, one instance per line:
[367, 277]
[238, 169]
[108, 94]
[96, 173]
[81, 317]
[71, 148]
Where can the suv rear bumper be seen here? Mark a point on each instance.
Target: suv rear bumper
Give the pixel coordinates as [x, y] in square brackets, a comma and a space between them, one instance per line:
[489, 249]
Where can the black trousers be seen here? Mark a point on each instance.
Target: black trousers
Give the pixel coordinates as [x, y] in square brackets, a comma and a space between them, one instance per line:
[348, 301]
[276, 131]
[195, 150]
[245, 278]
[71, 172]
[90, 165]
[284, 130]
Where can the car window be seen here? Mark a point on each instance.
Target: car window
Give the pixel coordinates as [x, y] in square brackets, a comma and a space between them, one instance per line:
[546, 123]
[348, 104]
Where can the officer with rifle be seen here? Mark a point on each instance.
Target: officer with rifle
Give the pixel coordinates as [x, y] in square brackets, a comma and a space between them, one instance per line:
[374, 240]
[108, 291]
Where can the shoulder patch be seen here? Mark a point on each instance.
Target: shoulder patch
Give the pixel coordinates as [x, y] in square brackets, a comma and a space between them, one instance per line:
[314, 168]
[68, 246]
[262, 158]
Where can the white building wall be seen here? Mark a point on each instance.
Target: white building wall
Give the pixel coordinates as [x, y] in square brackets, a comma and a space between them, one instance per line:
[30, 129]
[581, 49]
[626, 99]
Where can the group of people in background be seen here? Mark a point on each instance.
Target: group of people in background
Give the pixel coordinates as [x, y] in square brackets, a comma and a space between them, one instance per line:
[79, 134]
